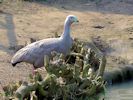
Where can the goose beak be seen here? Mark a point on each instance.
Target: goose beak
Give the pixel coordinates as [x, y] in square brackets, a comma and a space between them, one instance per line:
[76, 20]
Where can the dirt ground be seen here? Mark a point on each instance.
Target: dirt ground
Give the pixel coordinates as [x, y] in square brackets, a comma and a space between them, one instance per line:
[108, 23]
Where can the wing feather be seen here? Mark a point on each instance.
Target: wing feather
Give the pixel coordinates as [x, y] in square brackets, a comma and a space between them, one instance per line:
[33, 51]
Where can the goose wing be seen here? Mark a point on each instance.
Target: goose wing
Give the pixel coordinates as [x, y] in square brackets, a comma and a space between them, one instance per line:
[33, 51]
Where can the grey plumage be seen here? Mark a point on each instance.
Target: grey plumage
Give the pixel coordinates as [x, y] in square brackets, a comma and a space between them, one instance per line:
[34, 53]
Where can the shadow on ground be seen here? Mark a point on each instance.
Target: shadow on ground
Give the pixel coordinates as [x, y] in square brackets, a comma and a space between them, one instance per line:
[9, 26]
[103, 6]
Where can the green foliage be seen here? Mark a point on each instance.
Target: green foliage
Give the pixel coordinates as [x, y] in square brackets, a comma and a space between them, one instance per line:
[69, 78]
[35, 0]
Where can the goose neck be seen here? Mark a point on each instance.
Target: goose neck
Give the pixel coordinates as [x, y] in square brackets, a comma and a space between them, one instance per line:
[66, 32]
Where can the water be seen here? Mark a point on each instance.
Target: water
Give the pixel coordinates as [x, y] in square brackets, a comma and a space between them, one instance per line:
[122, 91]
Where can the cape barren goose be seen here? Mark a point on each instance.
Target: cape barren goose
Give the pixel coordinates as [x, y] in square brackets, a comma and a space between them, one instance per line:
[34, 53]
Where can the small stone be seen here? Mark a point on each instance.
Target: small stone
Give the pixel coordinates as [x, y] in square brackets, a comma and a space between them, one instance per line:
[131, 38]
[98, 26]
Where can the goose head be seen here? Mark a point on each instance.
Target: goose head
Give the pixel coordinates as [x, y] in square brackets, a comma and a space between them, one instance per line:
[71, 19]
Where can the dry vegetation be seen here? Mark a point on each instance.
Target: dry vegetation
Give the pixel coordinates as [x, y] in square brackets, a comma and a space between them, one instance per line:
[108, 23]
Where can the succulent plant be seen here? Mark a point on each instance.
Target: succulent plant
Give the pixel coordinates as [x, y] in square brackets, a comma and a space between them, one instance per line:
[76, 76]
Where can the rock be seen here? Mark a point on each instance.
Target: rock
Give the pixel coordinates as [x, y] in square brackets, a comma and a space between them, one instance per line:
[131, 38]
[98, 26]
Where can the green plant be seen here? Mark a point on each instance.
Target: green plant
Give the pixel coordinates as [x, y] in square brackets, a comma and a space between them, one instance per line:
[68, 78]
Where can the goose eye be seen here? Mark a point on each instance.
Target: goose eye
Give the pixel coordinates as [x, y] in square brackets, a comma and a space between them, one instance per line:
[72, 18]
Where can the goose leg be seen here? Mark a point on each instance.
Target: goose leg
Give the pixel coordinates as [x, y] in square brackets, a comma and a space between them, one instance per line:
[33, 70]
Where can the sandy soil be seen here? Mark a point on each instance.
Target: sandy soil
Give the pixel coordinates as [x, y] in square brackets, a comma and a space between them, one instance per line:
[20, 21]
